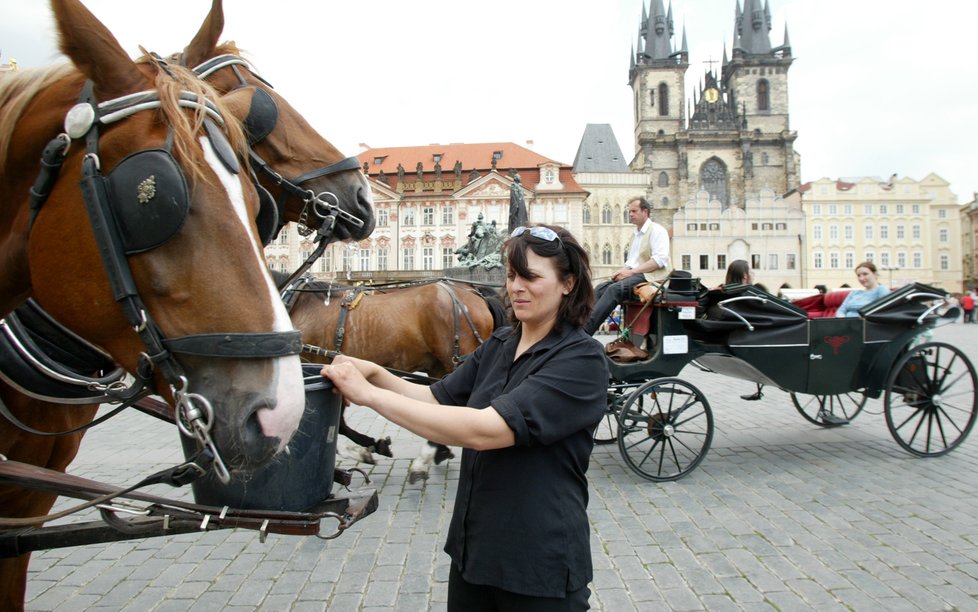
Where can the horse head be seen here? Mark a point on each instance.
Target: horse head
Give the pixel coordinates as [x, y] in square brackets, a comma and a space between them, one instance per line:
[312, 179]
[156, 259]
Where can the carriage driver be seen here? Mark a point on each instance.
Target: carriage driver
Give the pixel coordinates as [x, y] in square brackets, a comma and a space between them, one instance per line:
[648, 259]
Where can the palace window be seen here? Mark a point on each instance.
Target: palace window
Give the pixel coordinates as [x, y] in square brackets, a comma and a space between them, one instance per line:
[721, 262]
[407, 258]
[687, 262]
[364, 259]
[447, 257]
[382, 258]
[427, 258]
[382, 219]
[428, 215]
[448, 215]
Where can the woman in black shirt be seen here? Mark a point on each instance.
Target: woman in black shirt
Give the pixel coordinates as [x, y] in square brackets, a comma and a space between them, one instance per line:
[523, 407]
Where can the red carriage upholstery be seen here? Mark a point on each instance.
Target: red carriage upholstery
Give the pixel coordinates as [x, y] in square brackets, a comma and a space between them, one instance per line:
[639, 320]
[822, 304]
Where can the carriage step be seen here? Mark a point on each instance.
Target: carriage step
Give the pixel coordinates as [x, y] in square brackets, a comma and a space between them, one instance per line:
[832, 419]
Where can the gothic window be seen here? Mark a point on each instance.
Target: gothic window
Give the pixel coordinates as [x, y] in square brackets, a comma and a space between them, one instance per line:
[606, 215]
[652, 99]
[665, 202]
[663, 100]
[765, 159]
[587, 214]
[763, 95]
[713, 179]
[606, 255]
[663, 179]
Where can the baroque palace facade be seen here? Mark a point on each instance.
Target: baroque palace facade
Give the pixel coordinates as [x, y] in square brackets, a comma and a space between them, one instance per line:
[718, 164]
[427, 198]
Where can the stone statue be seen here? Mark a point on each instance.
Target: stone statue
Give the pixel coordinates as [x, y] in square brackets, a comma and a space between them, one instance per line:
[420, 172]
[457, 169]
[382, 177]
[437, 171]
[494, 163]
[517, 204]
[473, 175]
[400, 173]
[483, 247]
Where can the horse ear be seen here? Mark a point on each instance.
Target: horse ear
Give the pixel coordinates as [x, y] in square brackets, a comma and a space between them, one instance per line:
[205, 42]
[94, 50]
[238, 102]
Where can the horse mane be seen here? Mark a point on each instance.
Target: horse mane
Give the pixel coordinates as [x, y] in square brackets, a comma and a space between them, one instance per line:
[17, 89]
[170, 83]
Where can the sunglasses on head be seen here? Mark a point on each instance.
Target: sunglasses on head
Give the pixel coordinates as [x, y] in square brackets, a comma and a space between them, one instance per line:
[537, 231]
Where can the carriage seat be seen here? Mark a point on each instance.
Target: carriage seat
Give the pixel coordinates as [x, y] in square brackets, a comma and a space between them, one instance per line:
[822, 305]
[679, 288]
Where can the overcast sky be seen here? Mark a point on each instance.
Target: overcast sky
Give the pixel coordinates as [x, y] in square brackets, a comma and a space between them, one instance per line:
[877, 87]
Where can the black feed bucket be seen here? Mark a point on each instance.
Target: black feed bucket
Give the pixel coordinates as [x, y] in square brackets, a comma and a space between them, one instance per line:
[295, 480]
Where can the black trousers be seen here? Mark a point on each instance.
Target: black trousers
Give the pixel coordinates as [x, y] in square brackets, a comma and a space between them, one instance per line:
[465, 597]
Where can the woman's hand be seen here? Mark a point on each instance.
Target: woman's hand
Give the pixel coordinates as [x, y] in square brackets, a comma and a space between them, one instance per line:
[350, 377]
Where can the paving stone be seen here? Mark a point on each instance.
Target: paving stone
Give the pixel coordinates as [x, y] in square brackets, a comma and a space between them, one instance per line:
[780, 515]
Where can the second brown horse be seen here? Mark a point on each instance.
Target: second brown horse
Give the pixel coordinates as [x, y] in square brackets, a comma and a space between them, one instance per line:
[423, 327]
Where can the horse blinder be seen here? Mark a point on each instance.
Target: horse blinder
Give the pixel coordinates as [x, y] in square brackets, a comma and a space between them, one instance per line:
[150, 199]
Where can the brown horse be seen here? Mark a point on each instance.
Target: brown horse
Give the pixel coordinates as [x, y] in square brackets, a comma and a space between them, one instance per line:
[51, 251]
[427, 327]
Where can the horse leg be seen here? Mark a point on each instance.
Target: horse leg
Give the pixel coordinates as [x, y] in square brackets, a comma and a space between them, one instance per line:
[430, 453]
[363, 446]
[51, 452]
[13, 582]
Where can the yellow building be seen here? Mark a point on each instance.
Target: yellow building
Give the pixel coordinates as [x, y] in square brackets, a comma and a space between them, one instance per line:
[910, 229]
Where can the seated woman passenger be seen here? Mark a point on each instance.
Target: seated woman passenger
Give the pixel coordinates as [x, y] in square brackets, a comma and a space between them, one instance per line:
[873, 290]
[739, 272]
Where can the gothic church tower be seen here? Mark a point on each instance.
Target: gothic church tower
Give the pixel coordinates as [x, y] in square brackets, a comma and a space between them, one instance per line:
[733, 138]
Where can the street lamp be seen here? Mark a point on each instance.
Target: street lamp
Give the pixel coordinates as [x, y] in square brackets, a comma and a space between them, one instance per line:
[890, 269]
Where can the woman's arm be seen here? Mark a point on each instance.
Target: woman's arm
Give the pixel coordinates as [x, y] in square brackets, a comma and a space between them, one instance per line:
[414, 407]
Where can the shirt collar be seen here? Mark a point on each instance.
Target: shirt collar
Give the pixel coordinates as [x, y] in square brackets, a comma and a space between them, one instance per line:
[554, 338]
[645, 227]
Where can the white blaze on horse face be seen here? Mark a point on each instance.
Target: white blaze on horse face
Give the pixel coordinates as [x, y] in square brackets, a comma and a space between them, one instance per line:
[289, 390]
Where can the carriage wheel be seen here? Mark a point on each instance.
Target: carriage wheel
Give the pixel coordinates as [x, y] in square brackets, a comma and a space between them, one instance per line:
[665, 429]
[931, 399]
[607, 430]
[829, 410]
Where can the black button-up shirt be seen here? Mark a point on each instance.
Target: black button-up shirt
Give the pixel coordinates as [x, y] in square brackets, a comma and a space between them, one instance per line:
[520, 520]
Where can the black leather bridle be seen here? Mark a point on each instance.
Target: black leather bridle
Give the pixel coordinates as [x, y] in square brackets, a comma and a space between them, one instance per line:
[260, 122]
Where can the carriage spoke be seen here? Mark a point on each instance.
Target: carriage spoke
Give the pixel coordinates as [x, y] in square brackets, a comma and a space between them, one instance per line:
[931, 399]
[665, 429]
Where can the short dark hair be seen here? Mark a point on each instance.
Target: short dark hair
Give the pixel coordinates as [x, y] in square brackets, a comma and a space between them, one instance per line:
[570, 260]
[643, 204]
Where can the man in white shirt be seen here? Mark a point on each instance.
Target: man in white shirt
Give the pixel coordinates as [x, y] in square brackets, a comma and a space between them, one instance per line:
[648, 259]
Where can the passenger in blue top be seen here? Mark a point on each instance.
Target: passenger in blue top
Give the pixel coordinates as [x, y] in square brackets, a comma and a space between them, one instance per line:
[866, 273]
[523, 407]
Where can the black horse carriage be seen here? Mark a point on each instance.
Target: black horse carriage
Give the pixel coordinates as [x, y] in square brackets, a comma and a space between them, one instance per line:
[830, 366]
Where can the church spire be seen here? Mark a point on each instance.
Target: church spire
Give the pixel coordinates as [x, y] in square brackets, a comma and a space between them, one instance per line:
[753, 28]
[658, 32]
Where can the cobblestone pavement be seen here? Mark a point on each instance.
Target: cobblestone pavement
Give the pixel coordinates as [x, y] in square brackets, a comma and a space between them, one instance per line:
[781, 515]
